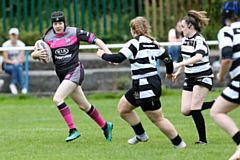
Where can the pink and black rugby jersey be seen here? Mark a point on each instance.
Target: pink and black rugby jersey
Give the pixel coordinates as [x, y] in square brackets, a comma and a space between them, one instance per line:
[65, 46]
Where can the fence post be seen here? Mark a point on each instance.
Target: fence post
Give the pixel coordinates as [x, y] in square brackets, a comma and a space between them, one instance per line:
[82, 12]
[90, 15]
[125, 8]
[25, 15]
[47, 13]
[189, 3]
[158, 67]
[154, 15]
[139, 7]
[133, 10]
[69, 12]
[76, 13]
[182, 9]
[4, 15]
[97, 17]
[11, 13]
[40, 16]
[161, 19]
[111, 15]
[61, 5]
[26, 70]
[147, 9]
[175, 11]
[18, 14]
[54, 5]
[33, 14]
[119, 16]
[104, 17]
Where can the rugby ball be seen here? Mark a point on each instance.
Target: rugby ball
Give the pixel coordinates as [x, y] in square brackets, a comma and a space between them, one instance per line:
[43, 45]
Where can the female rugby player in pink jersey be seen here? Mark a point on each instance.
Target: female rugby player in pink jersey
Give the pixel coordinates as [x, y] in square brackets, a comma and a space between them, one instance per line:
[64, 43]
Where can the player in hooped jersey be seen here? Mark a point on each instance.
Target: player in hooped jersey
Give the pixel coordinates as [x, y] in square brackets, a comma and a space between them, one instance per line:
[229, 45]
[142, 52]
[64, 43]
[198, 72]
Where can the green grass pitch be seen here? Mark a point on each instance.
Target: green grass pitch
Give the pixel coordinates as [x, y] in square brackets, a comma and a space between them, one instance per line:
[32, 129]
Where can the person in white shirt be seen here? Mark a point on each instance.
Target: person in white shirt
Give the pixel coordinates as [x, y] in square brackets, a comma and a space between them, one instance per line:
[13, 62]
[175, 35]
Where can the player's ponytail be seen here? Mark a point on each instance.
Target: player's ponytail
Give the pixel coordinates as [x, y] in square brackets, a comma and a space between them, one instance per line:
[197, 18]
[142, 27]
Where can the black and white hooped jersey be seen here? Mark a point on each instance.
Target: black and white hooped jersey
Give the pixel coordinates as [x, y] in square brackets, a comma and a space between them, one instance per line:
[229, 41]
[142, 54]
[190, 47]
[65, 46]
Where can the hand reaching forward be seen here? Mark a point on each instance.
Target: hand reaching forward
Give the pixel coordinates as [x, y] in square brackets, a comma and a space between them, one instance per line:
[169, 76]
[175, 77]
[220, 78]
[100, 52]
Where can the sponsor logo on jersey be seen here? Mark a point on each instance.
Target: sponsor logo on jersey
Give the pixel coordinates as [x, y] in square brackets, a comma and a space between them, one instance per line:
[149, 45]
[63, 57]
[61, 51]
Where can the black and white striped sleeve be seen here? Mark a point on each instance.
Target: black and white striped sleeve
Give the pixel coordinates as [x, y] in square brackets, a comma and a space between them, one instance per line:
[225, 40]
[201, 46]
[130, 49]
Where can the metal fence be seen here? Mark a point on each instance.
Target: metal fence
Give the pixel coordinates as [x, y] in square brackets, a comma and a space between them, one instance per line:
[108, 18]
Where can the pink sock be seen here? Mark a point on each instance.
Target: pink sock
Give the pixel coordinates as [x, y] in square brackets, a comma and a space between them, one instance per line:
[66, 114]
[94, 114]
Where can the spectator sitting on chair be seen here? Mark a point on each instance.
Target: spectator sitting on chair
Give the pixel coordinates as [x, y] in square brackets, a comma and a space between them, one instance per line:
[175, 35]
[13, 62]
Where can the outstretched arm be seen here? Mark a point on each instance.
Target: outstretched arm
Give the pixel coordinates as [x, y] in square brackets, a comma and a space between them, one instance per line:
[192, 60]
[177, 74]
[102, 46]
[115, 58]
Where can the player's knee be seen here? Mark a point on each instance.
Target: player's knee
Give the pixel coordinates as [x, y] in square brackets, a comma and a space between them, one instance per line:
[212, 113]
[157, 120]
[82, 107]
[57, 100]
[122, 110]
[185, 112]
[85, 107]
